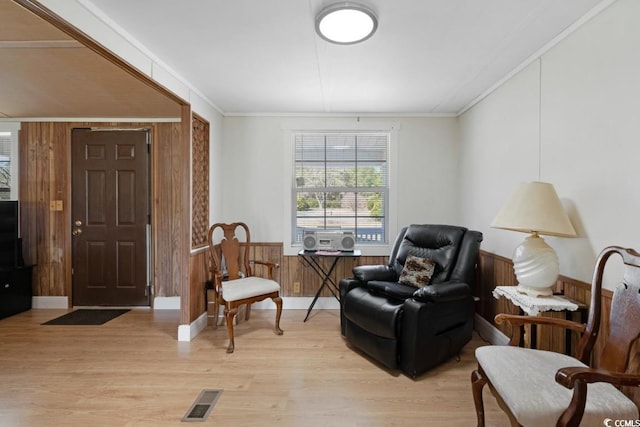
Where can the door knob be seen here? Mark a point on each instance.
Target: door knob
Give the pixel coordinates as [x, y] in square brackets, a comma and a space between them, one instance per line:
[77, 223]
[77, 232]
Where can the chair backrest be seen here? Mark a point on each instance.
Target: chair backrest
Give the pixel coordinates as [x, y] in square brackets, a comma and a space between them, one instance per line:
[230, 254]
[396, 247]
[439, 243]
[619, 351]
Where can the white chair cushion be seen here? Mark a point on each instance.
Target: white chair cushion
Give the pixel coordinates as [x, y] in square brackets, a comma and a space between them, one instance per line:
[247, 287]
[525, 379]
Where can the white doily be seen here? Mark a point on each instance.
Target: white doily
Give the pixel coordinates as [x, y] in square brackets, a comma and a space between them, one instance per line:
[534, 305]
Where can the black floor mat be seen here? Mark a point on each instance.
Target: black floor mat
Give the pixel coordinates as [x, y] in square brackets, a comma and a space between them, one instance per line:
[87, 317]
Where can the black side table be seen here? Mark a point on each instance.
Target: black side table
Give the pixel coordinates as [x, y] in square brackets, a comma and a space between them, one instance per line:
[15, 290]
[311, 259]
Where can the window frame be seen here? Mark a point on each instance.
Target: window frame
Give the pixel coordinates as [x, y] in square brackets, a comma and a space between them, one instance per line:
[340, 126]
[14, 170]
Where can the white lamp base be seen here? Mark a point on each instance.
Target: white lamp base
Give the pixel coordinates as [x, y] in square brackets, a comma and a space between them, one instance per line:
[536, 266]
[533, 292]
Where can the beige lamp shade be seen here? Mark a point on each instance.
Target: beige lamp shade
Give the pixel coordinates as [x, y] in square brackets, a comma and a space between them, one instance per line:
[535, 208]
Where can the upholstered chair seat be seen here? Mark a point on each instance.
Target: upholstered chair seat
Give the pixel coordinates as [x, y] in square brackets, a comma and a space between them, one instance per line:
[247, 287]
[534, 400]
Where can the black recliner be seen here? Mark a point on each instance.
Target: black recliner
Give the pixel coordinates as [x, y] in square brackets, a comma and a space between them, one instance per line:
[408, 328]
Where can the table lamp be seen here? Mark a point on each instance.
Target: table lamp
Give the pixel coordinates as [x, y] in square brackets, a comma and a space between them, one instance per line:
[535, 208]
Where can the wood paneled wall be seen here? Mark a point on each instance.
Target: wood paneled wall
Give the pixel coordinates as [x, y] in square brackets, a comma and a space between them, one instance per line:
[171, 216]
[45, 175]
[495, 270]
[45, 172]
[199, 274]
[295, 270]
[292, 270]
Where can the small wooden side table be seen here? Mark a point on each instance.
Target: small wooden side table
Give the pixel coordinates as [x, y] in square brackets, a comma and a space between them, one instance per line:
[533, 306]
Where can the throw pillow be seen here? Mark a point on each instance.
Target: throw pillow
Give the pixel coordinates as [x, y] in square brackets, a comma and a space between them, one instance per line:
[417, 271]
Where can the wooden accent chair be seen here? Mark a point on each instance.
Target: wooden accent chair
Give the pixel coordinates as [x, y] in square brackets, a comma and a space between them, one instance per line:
[543, 388]
[234, 284]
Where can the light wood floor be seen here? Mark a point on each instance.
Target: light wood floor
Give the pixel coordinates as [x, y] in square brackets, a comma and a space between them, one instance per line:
[132, 371]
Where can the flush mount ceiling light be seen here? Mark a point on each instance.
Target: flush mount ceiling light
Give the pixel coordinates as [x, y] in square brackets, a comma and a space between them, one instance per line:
[346, 23]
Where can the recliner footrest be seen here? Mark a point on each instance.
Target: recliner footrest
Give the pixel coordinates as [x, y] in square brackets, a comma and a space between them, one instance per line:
[373, 313]
[384, 350]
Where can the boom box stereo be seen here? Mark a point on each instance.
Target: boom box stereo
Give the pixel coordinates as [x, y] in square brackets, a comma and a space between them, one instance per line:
[328, 240]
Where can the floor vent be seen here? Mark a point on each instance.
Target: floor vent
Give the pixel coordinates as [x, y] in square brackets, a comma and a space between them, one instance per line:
[203, 405]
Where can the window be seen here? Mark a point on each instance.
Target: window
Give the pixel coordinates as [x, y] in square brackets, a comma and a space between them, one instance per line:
[341, 183]
[8, 161]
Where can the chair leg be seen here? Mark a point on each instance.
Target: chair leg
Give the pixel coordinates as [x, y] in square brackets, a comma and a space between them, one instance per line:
[216, 309]
[229, 314]
[477, 384]
[278, 302]
[247, 312]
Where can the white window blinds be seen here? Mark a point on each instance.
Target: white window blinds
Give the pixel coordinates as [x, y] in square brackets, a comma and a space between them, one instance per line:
[341, 183]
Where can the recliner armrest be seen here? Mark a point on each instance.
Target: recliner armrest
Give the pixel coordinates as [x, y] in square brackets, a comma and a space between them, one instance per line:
[393, 290]
[443, 292]
[345, 285]
[366, 273]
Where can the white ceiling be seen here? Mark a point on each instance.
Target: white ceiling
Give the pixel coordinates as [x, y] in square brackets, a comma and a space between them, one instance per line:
[263, 56]
[45, 72]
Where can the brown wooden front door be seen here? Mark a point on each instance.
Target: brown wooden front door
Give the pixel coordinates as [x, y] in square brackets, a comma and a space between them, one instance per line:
[110, 214]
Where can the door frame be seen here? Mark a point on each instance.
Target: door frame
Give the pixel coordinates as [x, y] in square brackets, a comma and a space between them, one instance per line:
[149, 268]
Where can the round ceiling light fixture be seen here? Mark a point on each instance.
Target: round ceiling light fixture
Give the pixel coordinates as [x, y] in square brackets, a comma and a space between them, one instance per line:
[346, 23]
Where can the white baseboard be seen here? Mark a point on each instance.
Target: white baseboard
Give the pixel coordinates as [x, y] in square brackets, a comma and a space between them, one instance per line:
[50, 302]
[166, 303]
[488, 332]
[288, 303]
[159, 303]
[188, 332]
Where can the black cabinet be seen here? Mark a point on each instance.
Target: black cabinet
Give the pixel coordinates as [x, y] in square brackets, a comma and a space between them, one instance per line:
[15, 290]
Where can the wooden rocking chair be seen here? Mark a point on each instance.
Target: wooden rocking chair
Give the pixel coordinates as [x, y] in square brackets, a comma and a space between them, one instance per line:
[543, 388]
[234, 284]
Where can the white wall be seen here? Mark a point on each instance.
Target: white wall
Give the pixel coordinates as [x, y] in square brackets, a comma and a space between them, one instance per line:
[589, 144]
[254, 170]
[462, 170]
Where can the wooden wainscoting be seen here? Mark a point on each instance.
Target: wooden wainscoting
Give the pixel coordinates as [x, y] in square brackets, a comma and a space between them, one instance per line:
[199, 274]
[292, 270]
[45, 172]
[495, 270]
